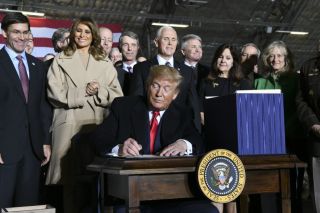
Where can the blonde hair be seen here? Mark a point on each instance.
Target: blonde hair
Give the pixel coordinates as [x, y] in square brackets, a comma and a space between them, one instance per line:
[289, 66]
[164, 72]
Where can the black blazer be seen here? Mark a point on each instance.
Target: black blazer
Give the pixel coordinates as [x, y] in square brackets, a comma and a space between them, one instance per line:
[202, 73]
[129, 118]
[124, 78]
[22, 122]
[187, 95]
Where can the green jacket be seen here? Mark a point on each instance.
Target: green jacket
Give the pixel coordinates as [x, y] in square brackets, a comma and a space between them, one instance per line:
[288, 83]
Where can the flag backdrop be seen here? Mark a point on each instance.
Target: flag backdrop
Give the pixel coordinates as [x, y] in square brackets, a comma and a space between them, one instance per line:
[43, 28]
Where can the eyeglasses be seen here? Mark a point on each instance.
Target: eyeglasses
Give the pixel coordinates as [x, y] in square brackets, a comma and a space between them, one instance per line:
[65, 39]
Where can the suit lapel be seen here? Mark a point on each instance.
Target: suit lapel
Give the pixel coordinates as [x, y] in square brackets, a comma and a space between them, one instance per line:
[33, 75]
[169, 122]
[9, 70]
[154, 61]
[73, 66]
[140, 124]
[177, 65]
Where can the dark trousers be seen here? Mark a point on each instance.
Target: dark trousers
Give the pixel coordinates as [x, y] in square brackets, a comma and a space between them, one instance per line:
[19, 182]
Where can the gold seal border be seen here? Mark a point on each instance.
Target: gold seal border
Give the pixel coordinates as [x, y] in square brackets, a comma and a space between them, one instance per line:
[206, 159]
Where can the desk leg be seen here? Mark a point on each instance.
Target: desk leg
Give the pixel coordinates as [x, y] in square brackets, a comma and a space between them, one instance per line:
[285, 190]
[101, 197]
[244, 200]
[133, 199]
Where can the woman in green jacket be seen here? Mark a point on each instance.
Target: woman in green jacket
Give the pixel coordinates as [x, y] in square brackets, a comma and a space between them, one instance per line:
[279, 73]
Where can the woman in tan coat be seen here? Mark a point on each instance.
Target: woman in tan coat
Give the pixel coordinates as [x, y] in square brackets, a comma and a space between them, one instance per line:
[82, 83]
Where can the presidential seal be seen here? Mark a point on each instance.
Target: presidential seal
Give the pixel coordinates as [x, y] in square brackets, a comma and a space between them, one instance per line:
[221, 175]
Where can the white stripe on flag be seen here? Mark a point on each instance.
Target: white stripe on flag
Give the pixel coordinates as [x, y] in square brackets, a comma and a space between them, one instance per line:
[40, 52]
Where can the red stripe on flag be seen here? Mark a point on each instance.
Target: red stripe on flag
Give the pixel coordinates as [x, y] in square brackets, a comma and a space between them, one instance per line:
[40, 41]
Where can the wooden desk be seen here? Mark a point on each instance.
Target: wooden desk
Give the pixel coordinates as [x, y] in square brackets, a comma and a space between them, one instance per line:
[136, 180]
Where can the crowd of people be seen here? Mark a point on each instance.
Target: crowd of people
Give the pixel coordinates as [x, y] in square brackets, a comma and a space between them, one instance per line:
[92, 99]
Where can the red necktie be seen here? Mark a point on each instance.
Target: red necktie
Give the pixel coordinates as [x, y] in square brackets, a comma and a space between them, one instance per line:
[153, 129]
[23, 77]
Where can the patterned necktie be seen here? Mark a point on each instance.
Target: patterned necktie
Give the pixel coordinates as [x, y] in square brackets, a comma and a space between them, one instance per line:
[23, 77]
[168, 64]
[129, 69]
[153, 130]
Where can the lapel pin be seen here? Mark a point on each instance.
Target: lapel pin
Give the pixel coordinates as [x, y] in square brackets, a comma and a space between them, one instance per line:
[33, 64]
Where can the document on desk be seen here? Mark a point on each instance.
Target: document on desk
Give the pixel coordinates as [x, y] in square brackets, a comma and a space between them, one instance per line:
[144, 156]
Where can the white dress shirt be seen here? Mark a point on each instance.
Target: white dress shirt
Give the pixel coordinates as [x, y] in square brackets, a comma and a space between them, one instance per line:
[115, 149]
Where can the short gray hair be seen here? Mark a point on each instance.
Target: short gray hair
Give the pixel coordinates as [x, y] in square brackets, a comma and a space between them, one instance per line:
[251, 45]
[159, 31]
[58, 35]
[129, 34]
[188, 37]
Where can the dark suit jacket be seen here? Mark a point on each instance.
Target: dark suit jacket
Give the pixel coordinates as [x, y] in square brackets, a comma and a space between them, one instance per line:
[129, 118]
[308, 102]
[124, 78]
[22, 122]
[187, 95]
[202, 73]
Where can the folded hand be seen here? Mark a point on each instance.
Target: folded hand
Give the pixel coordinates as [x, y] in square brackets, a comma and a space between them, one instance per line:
[177, 148]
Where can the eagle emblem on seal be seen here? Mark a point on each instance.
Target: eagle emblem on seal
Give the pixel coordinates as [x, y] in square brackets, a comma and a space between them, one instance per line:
[221, 176]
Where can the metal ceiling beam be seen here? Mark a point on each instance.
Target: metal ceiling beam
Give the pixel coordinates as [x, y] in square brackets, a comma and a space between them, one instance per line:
[49, 8]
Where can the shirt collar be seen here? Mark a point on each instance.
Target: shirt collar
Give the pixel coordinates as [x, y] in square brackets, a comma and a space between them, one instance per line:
[128, 65]
[163, 61]
[158, 118]
[190, 65]
[12, 54]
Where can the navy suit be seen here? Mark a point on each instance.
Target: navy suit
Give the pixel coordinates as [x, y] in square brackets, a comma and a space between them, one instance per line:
[124, 78]
[201, 72]
[129, 119]
[24, 129]
[187, 95]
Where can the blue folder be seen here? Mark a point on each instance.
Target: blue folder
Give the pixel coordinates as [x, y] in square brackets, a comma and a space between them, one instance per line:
[245, 123]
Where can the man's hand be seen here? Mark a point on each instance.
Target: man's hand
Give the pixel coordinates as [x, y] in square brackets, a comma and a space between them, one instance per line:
[177, 148]
[1, 161]
[130, 147]
[47, 154]
[316, 129]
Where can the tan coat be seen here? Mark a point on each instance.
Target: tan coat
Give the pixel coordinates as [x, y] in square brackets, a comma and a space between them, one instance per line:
[73, 110]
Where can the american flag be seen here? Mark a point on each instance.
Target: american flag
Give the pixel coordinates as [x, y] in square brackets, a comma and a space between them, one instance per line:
[43, 28]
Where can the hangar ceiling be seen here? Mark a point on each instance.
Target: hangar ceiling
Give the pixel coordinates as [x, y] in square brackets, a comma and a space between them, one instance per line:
[216, 21]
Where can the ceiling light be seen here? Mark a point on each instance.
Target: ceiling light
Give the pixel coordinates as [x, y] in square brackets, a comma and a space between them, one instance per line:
[292, 32]
[26, 13]
[298, 33]
[169, 24]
